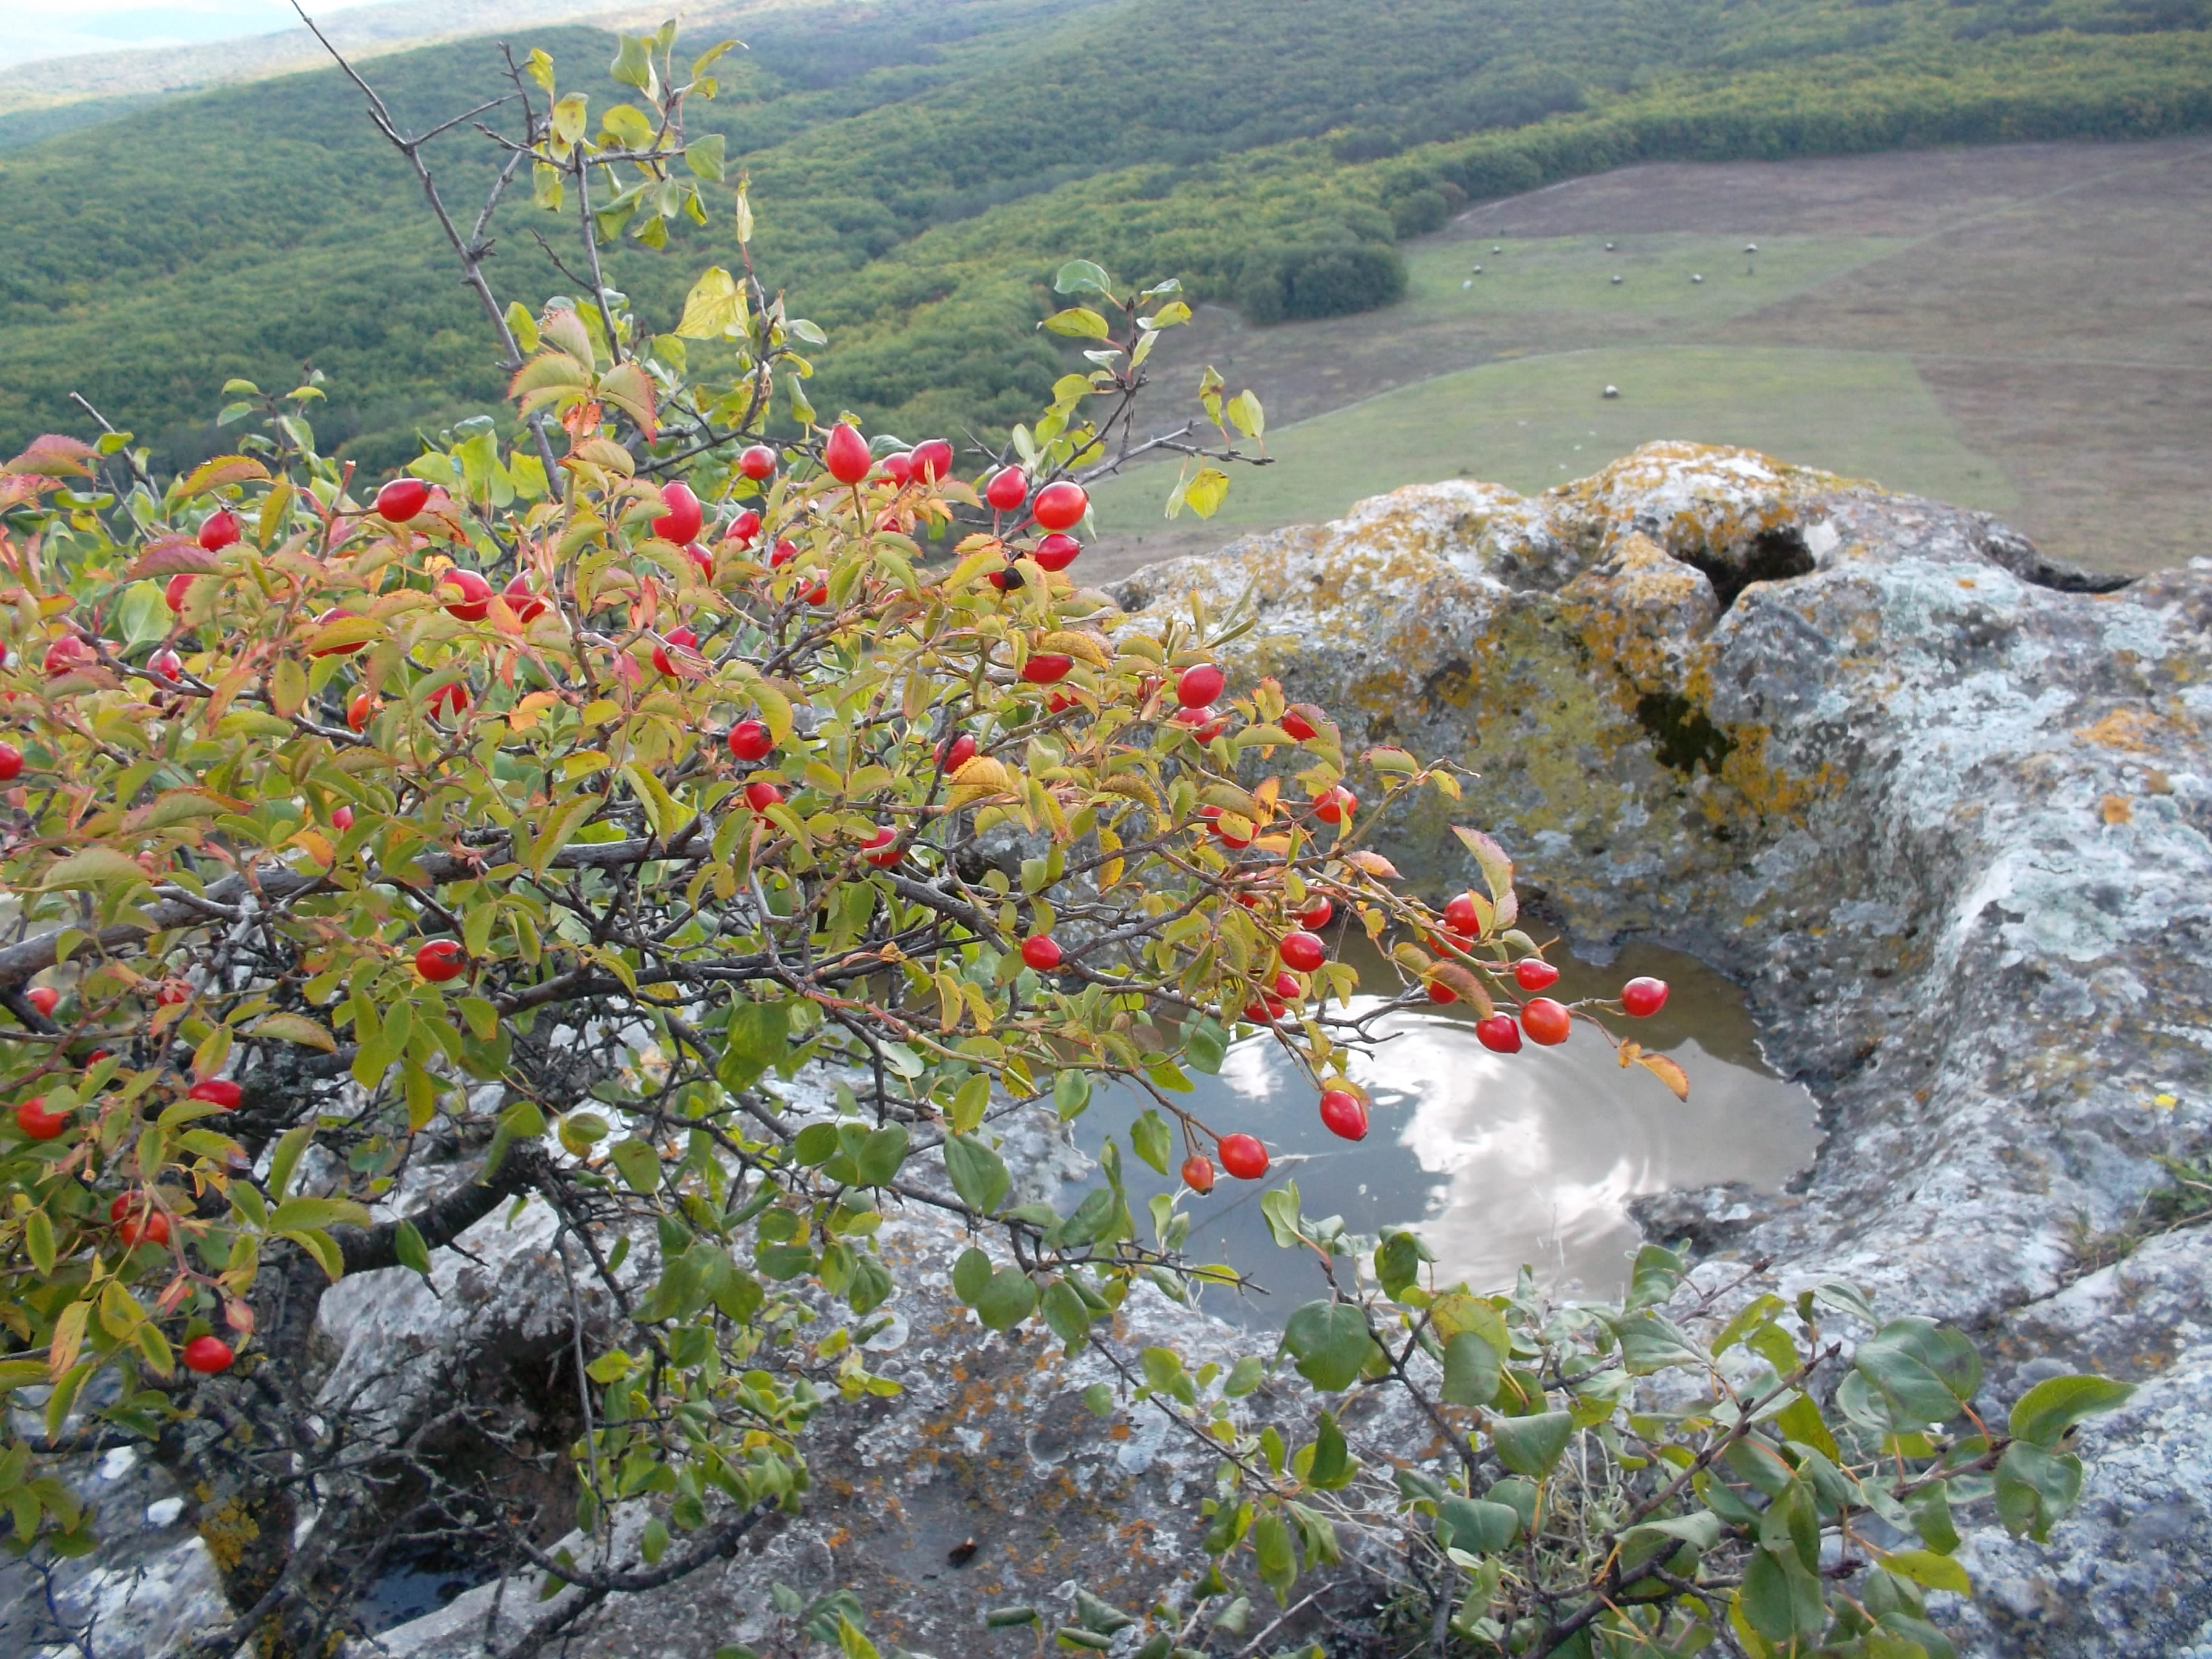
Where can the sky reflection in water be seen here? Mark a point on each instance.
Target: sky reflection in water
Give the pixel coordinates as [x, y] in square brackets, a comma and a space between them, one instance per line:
[1501, 1159]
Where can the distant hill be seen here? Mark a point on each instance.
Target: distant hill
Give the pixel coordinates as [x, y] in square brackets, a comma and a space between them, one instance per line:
[361, 31]
[919, 165]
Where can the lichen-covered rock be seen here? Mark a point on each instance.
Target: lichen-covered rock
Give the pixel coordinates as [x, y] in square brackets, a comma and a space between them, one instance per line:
[1941, 805]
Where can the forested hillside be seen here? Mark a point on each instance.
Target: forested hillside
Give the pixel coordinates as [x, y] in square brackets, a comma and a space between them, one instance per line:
[918, 164]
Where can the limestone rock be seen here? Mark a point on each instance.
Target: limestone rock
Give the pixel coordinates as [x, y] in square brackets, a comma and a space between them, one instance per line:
[1941, 804]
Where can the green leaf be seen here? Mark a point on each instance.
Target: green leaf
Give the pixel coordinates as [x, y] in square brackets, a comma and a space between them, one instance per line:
[1066, 1314]
[1925, 1371]
[2035, 1488]
[1081, 277]
[1658, 1270]
[1206, 1045]
[1272, 1555]
[1151, 1139]
[305, 1214]
[881, 1154]
[638, 1162]
[1332, 1465]
[1470, 1370]
[1098, 1400]
[1071, 1094]
[979, 1174]
[2055, 1405]
[1008, 1300]
[39, 1240]
[1476, 1525]
[1279, 1208]
[1532, 1445]
[1930, 1509]
[1397, 1260]
[970, 1274]
[1781, 1600]
[1329, 1343]
[704, 156]
[1650, 1342]
[1930, 1569]
[1078, 322]
[633, 64]
[407, 1244]
[142, 613]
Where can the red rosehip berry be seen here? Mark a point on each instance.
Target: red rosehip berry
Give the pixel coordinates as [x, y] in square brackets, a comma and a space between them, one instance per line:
[11, 763]
[1047, 668]
[520, 600]
[32, 1118]
[1205, 724]
[1061, 505]
[760, 795]
[757, 462]
[1317, 912]
[179, 586]
[442, 959]
[678, 636]
[899, 468]
[1040, 952]
[1499, 1034]
[1057, 552]
[67, 654]
[1303, 950]
[1243, 1156]
[341, 819]
[752, 740]
[166, 663]
[217, 1091]
[45, 999]
[1441, 993]
[1288, 988]
[1297, 722]
[1461, 916]
[401, 500]
[466, 595]
[361, 711]
[1336, 805]
[1008, 489]
[1198, 1173]
[1545, 1021]
[218, 530]
[1535, 974]
[681, 515]
[879, 848]
[449, 700]
[136, 1221]
[207, 1355]
[932, 460]
[1644, 997]
[1199, 685]
[171, 992]
[847, 455]
[1344, 1115]
[786, 551]
[335, 613]
[954, 753]
[744, 528]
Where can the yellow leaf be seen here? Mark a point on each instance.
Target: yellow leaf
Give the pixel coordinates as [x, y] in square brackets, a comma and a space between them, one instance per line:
[1668, 1072]
[715, 304]
[223, 469]
[294, 1028]
[1205, 493]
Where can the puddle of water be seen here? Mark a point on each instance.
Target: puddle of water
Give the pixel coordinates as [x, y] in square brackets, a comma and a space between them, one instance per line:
[1499, 1159]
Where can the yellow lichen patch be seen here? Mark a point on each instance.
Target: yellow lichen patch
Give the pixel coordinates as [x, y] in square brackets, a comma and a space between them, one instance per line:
[1768, 790]
[227, 1530]
[2116, 810]
[2134, 729]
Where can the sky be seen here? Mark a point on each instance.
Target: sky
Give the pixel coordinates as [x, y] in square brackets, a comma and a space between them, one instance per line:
[32, 29]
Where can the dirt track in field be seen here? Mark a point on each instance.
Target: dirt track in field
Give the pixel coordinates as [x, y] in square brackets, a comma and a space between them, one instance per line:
[2056, 299]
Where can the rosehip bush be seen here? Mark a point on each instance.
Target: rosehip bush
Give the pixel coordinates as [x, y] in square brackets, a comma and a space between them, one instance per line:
[525, 829]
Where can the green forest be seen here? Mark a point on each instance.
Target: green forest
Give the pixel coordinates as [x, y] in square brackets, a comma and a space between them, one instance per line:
[919, 167]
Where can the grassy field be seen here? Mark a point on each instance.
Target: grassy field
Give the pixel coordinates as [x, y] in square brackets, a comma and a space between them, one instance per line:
[2025, 329]
[1542, 420]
